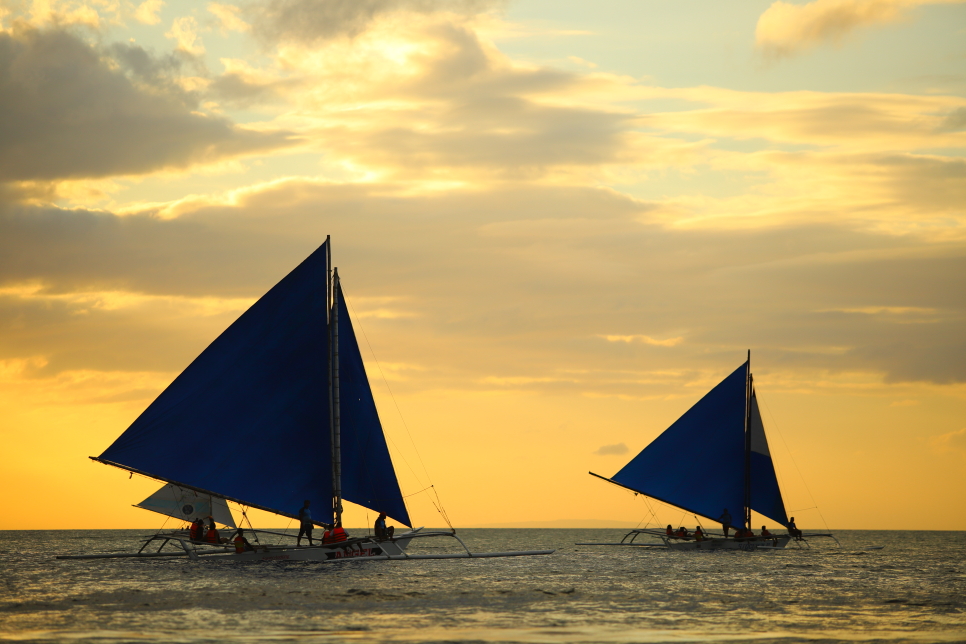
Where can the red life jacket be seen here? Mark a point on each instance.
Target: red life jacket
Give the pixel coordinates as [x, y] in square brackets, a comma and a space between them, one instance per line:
[765, 533]
[212, 536]
[339, 534]
[239, 544]
[194, 533]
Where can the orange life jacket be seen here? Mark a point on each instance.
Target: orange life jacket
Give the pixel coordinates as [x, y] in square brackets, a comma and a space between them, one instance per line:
[194, 533]
[339, 534]
[765, 533]
[212, 536]
[239, 544]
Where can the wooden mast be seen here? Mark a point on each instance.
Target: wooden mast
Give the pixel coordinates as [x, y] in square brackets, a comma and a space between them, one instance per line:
[747, 519]
[334, 393]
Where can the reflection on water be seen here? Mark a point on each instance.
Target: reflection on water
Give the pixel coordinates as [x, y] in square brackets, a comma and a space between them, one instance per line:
[912, 590]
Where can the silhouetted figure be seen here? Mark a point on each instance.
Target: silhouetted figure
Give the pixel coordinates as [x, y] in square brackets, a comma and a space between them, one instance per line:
[305, 523]
[382, 532]
[725, 520]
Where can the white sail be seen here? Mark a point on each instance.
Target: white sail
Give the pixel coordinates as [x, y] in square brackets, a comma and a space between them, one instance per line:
[188, 505]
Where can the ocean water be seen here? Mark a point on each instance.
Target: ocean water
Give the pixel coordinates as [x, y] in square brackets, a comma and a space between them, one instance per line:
[912, 590]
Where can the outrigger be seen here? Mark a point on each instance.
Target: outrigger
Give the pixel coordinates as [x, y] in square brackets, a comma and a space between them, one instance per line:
[713, 541]
[276, 410]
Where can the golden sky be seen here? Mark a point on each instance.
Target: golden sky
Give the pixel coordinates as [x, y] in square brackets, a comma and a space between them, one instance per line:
[559, 224]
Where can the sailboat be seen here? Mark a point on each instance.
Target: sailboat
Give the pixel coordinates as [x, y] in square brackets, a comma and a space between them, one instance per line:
[276, 410]
[713, 462]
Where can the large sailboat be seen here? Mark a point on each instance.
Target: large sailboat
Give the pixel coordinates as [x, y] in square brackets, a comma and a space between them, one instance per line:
[713, 462]
[276, 410]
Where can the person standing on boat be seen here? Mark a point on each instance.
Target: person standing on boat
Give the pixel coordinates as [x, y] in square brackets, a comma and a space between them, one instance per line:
[382, 532]
[725, 520]
[305, 523]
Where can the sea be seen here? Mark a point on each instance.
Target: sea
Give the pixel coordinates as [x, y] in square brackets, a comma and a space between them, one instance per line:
[874, 587]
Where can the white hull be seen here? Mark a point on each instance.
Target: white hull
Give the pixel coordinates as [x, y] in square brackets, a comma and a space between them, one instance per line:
[365, 548]
[771, 543]
[355, 549]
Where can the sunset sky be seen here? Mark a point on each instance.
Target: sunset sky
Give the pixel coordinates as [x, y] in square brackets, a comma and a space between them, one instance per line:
[559, 223]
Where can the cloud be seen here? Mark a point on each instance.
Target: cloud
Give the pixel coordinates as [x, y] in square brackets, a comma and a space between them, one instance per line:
[612, 450]
[184, 31]
[310, 22]
[951, 442]
[787, 29]
[646, 339]
[513, 281]
[147, 12]
[66, 113]
[229, 16]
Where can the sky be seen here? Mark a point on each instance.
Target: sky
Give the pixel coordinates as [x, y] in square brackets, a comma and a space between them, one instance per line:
[558, 224]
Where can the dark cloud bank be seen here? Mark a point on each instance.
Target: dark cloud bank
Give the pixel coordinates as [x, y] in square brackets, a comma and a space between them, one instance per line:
[505, 282]
[66, 113]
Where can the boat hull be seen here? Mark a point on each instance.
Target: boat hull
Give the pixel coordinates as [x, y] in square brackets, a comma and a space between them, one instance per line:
[772, 543]
[331, 552]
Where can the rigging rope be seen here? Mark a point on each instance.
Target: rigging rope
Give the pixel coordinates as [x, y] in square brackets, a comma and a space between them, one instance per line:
[792, 457]
[438, 504]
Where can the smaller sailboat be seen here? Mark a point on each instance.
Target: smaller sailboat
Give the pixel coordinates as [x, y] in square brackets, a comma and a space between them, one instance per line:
[713, 462]
[275, 411]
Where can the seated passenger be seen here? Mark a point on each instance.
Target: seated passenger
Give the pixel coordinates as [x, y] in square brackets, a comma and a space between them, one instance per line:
[682, 532]
[212, 535]
[197, 530]
[339, 533]
[764, 532]
[241, 543]
[670, 531]
[793, 529]
[382, 532]
[698, 534]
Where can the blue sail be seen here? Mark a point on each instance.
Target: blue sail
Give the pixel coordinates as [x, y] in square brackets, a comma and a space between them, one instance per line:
[766, 497]
[698, 463]
[368, 477]
[248, 419]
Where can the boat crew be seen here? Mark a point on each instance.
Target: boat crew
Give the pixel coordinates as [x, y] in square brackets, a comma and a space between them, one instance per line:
[212, 535]
[305, 523]
[338, 533]
[241, 543]
[670, 531]
[764, 532]
[725, 520]
[382, 532]
[698, 534]
[197, 530]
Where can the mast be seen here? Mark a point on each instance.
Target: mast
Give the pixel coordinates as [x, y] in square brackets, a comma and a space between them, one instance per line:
[334, 398]
[748, 442]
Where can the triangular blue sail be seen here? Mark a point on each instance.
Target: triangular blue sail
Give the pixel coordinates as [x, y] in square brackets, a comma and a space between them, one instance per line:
[368, 477]
[698, 463]
[766, 497]
[249, 418]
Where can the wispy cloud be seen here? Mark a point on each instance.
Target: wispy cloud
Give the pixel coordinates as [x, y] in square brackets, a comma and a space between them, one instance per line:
[612, 450]
[646, 339]
[786, 29]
